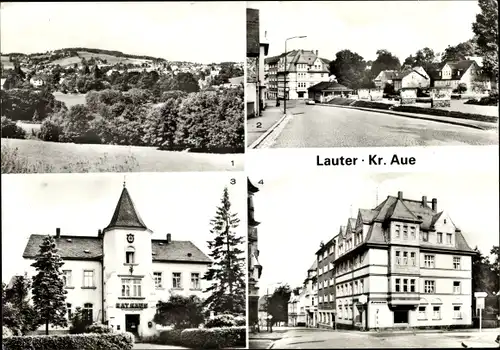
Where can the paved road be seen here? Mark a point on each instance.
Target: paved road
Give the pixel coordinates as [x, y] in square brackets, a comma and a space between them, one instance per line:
[321, 339]
[144, 346]
[323, 126]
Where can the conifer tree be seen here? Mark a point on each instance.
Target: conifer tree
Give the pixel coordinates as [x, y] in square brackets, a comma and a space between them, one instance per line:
[228, 288]
[49, 295]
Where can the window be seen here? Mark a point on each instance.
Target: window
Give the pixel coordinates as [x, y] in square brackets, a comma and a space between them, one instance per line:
[422, 315]
[88, 312]
[356, 287]
[195, 280]
[412, 286]
[396, 230]
[429, 261]
[413, 233]
[456, 263]
[88, 279]
[425, 236]
[429, 287]
[412, 259]
[448, 238]
[405, 232]
[405, 258]
[457, 313]
[130, 256]
[67, 278]
[456, 287]
[440, 237]
[398, 285]
[176, 280]
[436, 312]
[405, 285]
[361, 289]
[68, 307]
[398, 257]
[131, 287]
[158, 279]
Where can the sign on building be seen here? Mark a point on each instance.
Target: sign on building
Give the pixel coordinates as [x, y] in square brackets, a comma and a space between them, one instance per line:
[440, 97]
[251, 69]
[408, 96]
[376, 94]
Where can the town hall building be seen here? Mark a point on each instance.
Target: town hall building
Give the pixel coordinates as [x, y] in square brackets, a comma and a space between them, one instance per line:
[118, 276]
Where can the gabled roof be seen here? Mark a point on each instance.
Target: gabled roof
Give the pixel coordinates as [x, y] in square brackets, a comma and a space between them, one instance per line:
[91, 248]
[367, 215]
[251, 188]
[456, 66]
[125, 215]
[399, 211]
[314, 266]
[328, 86]
[272, 60]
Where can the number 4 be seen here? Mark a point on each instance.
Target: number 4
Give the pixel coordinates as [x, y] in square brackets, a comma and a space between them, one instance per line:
[261, 182]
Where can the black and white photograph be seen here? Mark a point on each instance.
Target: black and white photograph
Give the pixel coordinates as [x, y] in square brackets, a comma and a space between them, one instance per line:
[113, 261]
[371, 73]
[374, 260]
[122, 86]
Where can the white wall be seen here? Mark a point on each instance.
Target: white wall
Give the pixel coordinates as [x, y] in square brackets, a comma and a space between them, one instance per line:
[167, 270]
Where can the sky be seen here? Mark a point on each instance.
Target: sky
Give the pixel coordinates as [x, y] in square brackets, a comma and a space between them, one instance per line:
[79, 204]
[298, 211]
[204, 32]
[402, 27]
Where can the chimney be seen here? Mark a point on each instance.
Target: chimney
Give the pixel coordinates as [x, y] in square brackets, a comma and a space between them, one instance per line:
[434, 204]
[169, 238]
[424, 201]
[58, 232]
[99, 233]
[400, 194]
[316, 52]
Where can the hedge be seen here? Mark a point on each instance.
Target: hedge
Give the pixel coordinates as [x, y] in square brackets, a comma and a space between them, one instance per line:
[368, 104]
[116, 341]
[446, 113]
[214, 338]
[171, 337]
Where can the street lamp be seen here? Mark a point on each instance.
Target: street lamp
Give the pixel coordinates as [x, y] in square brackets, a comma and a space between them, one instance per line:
[285, 89]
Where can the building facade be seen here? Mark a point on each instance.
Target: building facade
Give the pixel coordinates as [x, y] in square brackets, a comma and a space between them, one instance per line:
[271, 77]
[401, 264]
[118, 276]
[416, 77]
[325, 258]
[254, 267]
[466, 73]
[304, 68]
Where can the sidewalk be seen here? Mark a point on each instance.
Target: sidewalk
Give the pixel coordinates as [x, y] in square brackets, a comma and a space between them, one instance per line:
[455, 121]
[256, 127]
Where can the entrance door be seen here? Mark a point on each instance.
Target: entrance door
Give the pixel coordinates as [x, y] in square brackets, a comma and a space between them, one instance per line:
[400, 316]
[132, 323]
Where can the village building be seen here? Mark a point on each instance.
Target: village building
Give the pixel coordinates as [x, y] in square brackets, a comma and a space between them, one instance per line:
[254, 267]
[119, 275]
[416, 77]
[327, 90]
[466, 73]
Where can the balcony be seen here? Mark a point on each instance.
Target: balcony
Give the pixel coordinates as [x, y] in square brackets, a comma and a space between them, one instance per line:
[397, 299]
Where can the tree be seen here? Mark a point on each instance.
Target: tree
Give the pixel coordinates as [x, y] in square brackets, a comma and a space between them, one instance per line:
[161, 124]
[49, 295]
[461, 51]
[423, 58]
[79, 322]
[18, 314]
[180, 311]
[495, 251]
[385, 61]
[484, 277]
[187, 82]
[349, 68]
[486, 29]
[277, 305]
[228, 289]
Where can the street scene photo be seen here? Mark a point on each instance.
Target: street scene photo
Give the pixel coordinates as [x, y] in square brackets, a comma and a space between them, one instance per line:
[122, 87]
[392, 260]
[377, 73]
[113, 261]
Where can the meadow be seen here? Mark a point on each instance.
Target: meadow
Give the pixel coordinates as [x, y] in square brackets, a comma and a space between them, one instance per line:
[69, 61]
[34, 156]
[70, 99]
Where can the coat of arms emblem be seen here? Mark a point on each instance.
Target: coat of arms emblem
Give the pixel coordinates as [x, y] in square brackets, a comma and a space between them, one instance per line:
[130, 238]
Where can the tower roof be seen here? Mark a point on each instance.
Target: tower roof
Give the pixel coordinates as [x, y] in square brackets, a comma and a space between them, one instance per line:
[125, 215]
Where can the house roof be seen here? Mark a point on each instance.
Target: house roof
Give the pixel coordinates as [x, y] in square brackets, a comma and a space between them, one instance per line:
[125, 215]
[314, 266]
[251, 187]
[272, 60]
[456, 66]
[329, 86]
[91, 248]
[253, 33]
[404, 73]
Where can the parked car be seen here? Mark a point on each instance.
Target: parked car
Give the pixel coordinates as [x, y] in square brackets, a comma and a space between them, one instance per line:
[310, 102]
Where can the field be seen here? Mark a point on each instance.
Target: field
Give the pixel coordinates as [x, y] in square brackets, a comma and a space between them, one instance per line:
[33, 156]
[70, 99]
[69, 61]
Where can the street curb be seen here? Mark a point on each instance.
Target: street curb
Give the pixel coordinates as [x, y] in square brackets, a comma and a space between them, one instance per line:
[411, 116]
[270, 346]
[266, 134]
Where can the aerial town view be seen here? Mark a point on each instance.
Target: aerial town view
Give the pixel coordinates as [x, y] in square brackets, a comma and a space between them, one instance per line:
[347, 74]
[109, 98]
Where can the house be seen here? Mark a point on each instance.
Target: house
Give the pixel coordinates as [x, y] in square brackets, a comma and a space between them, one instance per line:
[415, 77]
[466, 72]
[310, 297]
[324, 91]
[384, 77]
[119, 275]
[295, 316]
[37, 81]
[304, 68]
[422, 275]
[263, 314]
[254, 267]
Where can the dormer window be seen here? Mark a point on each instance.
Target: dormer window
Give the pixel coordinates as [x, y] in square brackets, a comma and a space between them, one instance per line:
[130, 255]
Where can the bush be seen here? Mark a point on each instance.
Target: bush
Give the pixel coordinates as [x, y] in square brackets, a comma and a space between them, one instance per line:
[11, 130]
[342, 101]
[214, 338]
[98, 328]
[446, 113]
[367, 104]
[116, 341]
[491, 100]
[50, 130]
[171, 337]
[240, 321]
[221, 321]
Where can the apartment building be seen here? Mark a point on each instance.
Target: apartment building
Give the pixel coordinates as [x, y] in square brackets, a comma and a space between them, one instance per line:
[271, 76]
[325, 258]
[254, 267]
[402, 264]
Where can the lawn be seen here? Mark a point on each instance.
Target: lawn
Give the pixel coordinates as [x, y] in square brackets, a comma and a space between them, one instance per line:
[33, 156]
[70, 99]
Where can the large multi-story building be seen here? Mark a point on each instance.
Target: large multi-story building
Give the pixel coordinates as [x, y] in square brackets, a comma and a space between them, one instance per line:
[304, 68]
[271, 76]
[254, 268]
[401, 264]
[118, 276]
